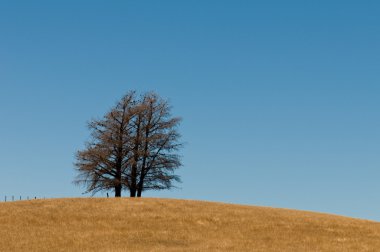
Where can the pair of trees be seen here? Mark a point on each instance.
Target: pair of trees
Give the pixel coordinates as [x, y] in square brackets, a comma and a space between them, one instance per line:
[133, 147]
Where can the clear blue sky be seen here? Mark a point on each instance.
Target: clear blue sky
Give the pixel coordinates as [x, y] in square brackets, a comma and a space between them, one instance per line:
[280, 99]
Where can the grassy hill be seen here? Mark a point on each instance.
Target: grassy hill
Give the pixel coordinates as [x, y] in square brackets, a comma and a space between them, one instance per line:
[175, 225]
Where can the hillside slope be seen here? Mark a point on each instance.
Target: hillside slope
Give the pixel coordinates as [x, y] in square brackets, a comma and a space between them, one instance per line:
[175, 225]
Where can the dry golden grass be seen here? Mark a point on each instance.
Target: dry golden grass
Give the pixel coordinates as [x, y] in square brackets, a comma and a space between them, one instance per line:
[175, 225]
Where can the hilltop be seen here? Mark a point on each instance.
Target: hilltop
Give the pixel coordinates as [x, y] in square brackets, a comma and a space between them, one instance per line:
[147, 224]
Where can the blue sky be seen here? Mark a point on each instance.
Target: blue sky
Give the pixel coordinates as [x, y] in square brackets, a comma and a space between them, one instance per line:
[280, 101]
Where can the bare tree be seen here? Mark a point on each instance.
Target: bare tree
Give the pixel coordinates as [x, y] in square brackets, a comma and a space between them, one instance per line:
[159, 144]
[133, 147]
[104, 163]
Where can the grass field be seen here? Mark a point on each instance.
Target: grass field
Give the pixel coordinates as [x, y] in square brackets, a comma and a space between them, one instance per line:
[175, 225]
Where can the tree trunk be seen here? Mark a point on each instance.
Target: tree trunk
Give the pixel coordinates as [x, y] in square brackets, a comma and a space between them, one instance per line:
[118, 191]
[132, 193]
[133, 185]
[140, 186]
[139, 191]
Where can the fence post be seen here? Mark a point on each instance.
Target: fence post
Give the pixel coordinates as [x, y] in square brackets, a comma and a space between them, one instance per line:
[5, 198]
